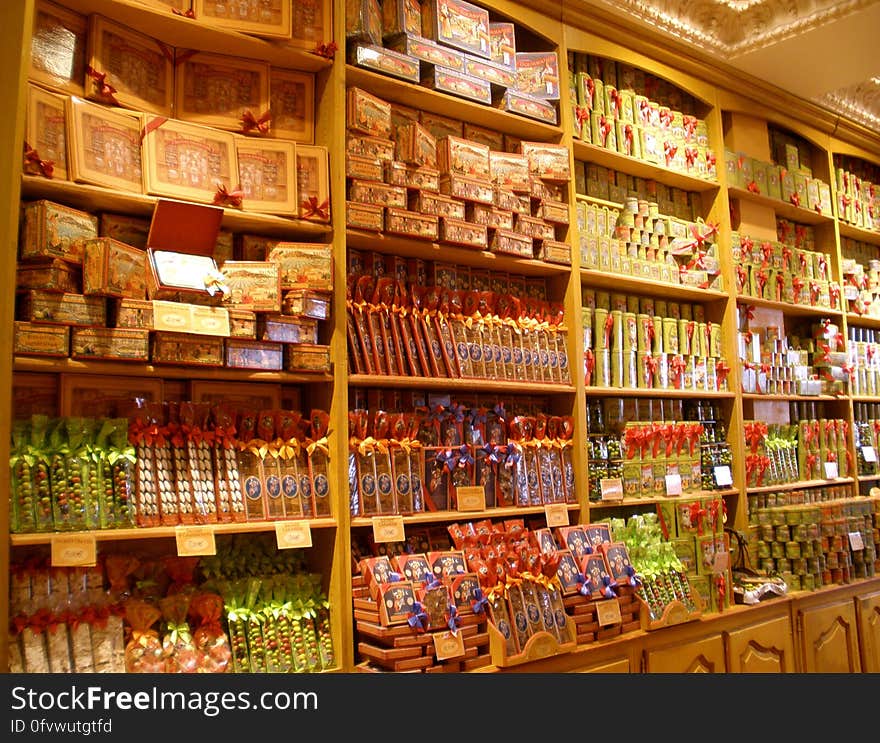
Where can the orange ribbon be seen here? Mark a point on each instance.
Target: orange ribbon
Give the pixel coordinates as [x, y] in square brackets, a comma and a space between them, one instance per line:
[328, 51]
[225, 197]
[35, 165]
[249, 122]
[105, 90]
[311, 208]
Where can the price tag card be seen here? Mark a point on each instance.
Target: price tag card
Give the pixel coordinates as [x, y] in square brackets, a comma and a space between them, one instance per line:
[673, 484]
[856, 542]
[723, 476]
[73, 550]
[556, 514]
[831, 470]
[194, 541]
[869, 453]
[447, 645]
[293, 534]
[612, 488]
[471, 498]
[722, 562]
[388, 529]
[608, 612]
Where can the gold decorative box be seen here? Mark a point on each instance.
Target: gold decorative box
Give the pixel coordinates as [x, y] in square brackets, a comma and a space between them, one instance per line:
[413, 224]
[32, 339]
[242, 323]
[242, 354]
[63, 309]
[128, 68]
[458, 24]
[364, 168]
[303, 265]
[119, 344]
[367, 114]
[186, 349]
[312, 183]
[458, 156]
[129, 230]
[384, 60]
[53, 230]
[253, 285]
[132, 313]
[377, 193]
[267, 175]
[292, 103]
[114, 269]
[311, 24]
[46, 133]
[307, 358]
[364, 216]
[52, 275]
[287, 329]
[307, 303]
[269, 18]
[104, 146]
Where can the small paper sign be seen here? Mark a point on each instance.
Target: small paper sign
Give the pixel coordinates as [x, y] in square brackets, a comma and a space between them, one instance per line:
[612, 488]
[722, 562]
[855, 541]
[388, 529]
[193, 541]
[723, 476]
[447, 645]
[831, 470]
[293, 534]
[869, 453]
[673, 484]
[608, 612]
[74, 550]
[556, 514]
[471, 498]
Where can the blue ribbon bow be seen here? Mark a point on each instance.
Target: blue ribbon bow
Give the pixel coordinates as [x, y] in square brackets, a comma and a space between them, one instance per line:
[394, 577]
[437, 413]
[633, 579]
[479, 602]
[464, 456]
[585, 584]
[457, 411]
[418, 618]
[448, 459]
[431, 582]
[452, 619]
[500, 412]
[513, 457]
[609, 584]
[490, 453]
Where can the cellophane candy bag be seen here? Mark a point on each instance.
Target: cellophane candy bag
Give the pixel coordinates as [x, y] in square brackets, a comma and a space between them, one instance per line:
[143, 653]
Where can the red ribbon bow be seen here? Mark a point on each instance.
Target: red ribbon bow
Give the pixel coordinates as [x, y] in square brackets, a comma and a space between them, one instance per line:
[767, 254]
[628, 138]
[105, 90]
[604, 129]
[677, 366]
[690, 124]
[311, 208]
[590, 365]
[582, 114]
[328, 51]
[225, 197]
[690, 156]
[652, 366]
[249, 122]
[795, 199]
[35, 165]
[185, 13]
[721, 371]
[742, 276]
[669, 150]
[752, 187]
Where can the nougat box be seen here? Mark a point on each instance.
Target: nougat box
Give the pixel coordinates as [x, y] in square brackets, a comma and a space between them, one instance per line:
[457, 83]
[307, 303]
[363, 21]
[458, 232]
[378, 193]
[494, 140]
[267, 175]
[412, 177]
[62, 309]
[119, 344]
[292, 103]
[32, 339]
[489, 216]
[51, 230]
[287, 329]
[401, 17]
[458, 24]
[253, 285]
[384, 60]
[308, 358]
[313, 182]
[242, 323]
[187, 349]
[467, 189]
[537, 74]
[377, 148]
[497, 75]
[441, 126]
[531, 106]
[190, 318]
[59, 41]
[427, 52]
[124, 228]
[247, 354]
[502, 44]
[364, 216]
[131, 313]
[180, 248]
[411, 223]
[512, 243]
[273, 21]
[509, 171]
[554, 251]
[457, 156]
[114, 269]
[303, 265]
[51, 275]
[436, 205]
[416, 145]
[367, 114]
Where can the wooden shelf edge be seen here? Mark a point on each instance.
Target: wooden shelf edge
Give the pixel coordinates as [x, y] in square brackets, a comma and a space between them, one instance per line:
[626, 282]
[802, 485]
[138, 369]
[868, 478]
[162, 532]
[653, 392]
[862, 320]
[780, 207]
[858, 233]
[438, 516]
[663, 499]
[443, 383]
[792, 309]
[792, 398]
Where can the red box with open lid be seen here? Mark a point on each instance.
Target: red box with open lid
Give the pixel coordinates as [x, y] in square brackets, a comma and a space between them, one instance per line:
[180, 248]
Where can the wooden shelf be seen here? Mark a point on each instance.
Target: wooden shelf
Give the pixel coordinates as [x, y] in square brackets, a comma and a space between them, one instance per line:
[868, 478]
[865, 398]
[858, 233]
[639, 168]
[782, 208]
[652, 392]
[418, 96]
[430, 517]
[662, 499]
[98, 199]
[443, 383]
[188, 33]
[158, 532]
[755, 397]
[135, 369]
[802, 310]
[430, 251]
[862, 321]
[593, 277]
[802, 485]
[586, 198]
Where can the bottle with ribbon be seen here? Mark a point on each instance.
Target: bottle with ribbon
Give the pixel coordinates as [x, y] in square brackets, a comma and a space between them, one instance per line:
[120, 461]
[270, 464]
[356, 361]
[252, 449]
[233, 593]
[400, 447]
[222, 425]
[288, 457]
[71, 499]
[382, 463]
[176, 443]
[430, 302]
[444, 336]
[170, 507]
[146, 483]
[194, 421]
[364, 455]
[318, 457]
[380, 309]
[22, 468]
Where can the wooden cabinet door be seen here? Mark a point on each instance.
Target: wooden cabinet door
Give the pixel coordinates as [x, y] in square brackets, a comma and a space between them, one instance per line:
[705, 655]
[829, 638]
[766, 647]
[620, 665]
[869, 631]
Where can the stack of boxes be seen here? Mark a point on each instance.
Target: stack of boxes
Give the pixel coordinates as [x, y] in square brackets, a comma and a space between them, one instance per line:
[453, 46]
[858, 192]
[860, 271]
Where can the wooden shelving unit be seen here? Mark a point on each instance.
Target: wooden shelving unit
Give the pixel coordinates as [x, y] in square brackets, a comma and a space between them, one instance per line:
[685, 498]
[568, 29]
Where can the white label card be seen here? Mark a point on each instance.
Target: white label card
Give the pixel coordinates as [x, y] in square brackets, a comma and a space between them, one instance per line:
[612, 488]
[73, 550]
[869, 453]
[194, 541]
[722, 562]
[608, 612]
[388, 529]
[556, 514]
[831, 470]
[673, 484]
[293, 534]
[856, 542]
[723, 476]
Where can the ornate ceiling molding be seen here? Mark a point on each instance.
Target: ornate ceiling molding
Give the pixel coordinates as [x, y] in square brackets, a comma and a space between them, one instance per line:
[733, 27]
[859, 102]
